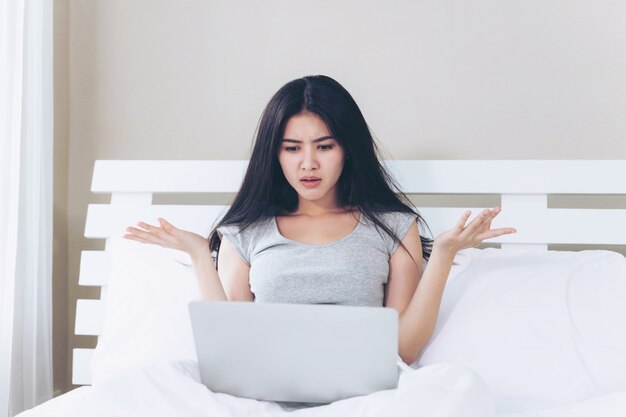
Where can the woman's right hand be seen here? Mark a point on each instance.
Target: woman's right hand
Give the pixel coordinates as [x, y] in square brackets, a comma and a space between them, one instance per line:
[168, 236]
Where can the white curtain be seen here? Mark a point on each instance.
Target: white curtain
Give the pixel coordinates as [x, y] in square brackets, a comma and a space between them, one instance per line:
[25, 204]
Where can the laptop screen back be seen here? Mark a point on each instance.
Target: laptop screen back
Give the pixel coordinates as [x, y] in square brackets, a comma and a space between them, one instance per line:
[295, 352]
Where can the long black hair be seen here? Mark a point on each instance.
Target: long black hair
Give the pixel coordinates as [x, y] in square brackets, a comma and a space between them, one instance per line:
[364, 183]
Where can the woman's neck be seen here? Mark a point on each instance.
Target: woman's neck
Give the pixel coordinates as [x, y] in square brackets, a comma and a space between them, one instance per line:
[314, 209]
[325, 205]
[309, 208]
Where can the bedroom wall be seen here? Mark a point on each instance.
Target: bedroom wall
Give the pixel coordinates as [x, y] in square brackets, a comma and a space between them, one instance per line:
[436, 80]
[60, 274]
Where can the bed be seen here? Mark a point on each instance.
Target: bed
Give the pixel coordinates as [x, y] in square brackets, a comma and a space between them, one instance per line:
[544, 330]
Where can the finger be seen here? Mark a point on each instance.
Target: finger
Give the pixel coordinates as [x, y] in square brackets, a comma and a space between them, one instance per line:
[487, 224]
[488, 215]
[172, 235]
[475, 224]
[150, 228]
[461, 223]
[137, 239]
[145, 235]
[165, 224]
[164, 235]
[498, 232]
[170, 228]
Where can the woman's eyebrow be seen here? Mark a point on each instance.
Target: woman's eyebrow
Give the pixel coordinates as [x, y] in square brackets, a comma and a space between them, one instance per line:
[314, 140]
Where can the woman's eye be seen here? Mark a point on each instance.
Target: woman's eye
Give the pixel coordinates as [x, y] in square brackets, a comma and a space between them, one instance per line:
[326, 147]
[291, 148]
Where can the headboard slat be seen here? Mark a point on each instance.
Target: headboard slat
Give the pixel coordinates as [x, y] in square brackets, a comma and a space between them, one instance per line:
[107, 220]
[543, 226]
[89, 317]
[81, 366]
[168, 176]
[575, 226]
[414, 176]
[94, 268]
[510, 176]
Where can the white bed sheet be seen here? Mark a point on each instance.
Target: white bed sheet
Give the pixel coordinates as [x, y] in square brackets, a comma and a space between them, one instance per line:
[609, 405]
[173, 389]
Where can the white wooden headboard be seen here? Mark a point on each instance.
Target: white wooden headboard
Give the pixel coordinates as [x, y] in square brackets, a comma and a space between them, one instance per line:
[523, 185]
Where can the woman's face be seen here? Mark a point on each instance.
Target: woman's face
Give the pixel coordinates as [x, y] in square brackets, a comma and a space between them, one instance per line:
[311, 159]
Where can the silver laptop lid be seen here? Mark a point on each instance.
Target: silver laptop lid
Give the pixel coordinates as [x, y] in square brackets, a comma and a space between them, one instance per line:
[295, 352]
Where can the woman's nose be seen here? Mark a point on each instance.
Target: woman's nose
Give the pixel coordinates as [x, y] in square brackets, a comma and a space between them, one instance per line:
[309, 160]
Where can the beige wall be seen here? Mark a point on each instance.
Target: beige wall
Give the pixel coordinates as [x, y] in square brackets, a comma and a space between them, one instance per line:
[167, 79]
[60, 281]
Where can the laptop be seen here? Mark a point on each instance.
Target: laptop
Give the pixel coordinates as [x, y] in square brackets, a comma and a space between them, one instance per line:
[295, 352]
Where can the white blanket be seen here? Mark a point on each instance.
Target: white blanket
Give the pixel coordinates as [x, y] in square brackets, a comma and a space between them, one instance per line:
[173, 389]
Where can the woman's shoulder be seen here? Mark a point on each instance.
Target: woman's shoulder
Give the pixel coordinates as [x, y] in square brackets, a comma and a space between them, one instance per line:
[259, 226]
[398, 222]
[393, 219]
[246, 238]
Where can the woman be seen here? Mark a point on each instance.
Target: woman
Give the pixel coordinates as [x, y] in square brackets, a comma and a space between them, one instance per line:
[317, 221]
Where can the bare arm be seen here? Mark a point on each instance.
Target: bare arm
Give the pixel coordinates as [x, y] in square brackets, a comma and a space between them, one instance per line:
[417, 322]
[234, 273]
[418, 311]
[209, 284]
[409, 286]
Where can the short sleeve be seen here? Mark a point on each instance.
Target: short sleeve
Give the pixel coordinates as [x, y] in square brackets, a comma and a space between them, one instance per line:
[237, 239]
[399, 223]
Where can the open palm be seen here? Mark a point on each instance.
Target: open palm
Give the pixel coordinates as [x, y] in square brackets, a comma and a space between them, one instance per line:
[168, 236]
[462, 236]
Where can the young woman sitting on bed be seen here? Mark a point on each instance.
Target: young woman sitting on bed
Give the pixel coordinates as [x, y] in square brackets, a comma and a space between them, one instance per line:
[317, 221]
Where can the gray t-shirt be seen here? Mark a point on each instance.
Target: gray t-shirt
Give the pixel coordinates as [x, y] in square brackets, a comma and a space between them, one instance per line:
[349, 271]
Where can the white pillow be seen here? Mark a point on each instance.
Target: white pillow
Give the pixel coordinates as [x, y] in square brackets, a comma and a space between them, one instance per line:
[146, 316]
[541, 328]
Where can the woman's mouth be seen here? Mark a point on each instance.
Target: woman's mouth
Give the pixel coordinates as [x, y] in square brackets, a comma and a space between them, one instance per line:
[310, 182]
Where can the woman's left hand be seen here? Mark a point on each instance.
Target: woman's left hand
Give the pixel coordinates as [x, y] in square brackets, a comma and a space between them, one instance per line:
[462, 237]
